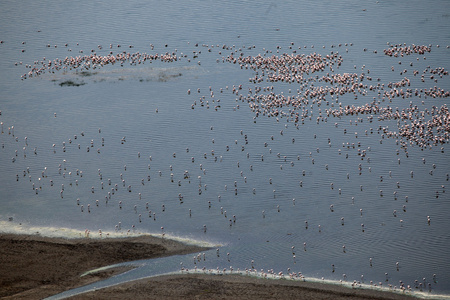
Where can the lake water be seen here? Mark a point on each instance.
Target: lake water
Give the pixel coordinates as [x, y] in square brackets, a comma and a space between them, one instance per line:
[126, 123]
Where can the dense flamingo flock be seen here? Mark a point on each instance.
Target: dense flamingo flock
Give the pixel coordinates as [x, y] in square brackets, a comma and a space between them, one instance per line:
[396, 50]
[423, 128]
[420, 127]
[93, 61]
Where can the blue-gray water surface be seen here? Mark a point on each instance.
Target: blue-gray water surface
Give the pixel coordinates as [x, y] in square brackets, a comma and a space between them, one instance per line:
[325, 196]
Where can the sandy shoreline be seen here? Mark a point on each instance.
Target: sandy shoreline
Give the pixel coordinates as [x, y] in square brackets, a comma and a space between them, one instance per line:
[199, 286]
[35, 267]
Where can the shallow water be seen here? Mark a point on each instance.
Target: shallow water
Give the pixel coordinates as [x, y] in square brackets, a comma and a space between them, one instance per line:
[148, 104]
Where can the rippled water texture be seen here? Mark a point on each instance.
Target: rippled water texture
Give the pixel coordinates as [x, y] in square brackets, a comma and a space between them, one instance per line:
[325, 196]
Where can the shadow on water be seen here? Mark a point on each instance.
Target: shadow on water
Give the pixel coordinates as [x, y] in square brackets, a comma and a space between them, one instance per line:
[146, 74]
[71, 83]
